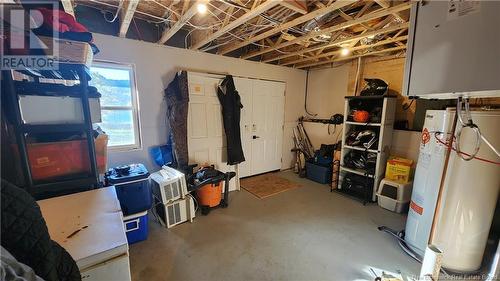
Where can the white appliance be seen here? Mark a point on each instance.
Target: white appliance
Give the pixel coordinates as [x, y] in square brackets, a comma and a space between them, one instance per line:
[453, 49]
[458, 221]
[177, 212]
[168, 185]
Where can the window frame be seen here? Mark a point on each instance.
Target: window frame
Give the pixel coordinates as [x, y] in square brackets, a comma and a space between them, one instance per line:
[137, 145]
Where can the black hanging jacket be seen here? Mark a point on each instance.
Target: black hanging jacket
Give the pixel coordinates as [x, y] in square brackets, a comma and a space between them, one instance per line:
[231, 114]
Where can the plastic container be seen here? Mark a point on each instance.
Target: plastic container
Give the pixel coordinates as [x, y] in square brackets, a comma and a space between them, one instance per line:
[56, 110]
[55, 159]
[210, 195]
[136, 227]
[319, 173]
[101, 153]
[324, 161]
[132, 189]
[394, 196]
[398, 169]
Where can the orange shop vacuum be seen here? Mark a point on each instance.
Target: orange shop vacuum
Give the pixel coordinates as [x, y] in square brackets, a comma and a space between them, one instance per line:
[207, 186]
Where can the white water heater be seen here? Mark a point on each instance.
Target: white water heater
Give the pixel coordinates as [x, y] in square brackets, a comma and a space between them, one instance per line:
[462, 217]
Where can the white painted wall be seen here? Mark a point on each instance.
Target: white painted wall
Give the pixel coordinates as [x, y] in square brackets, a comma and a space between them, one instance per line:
[406, 144]
[155, 68]
[326, 91]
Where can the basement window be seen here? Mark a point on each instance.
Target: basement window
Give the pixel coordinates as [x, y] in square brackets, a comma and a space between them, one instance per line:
[119, 105]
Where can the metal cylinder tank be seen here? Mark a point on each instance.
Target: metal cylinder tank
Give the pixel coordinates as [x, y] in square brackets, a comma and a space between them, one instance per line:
[470, 191]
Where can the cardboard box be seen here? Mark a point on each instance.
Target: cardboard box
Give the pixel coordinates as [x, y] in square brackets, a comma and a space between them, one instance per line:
[399, 169]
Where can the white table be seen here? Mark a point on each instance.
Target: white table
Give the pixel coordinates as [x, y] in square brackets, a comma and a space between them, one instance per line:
[100, 246]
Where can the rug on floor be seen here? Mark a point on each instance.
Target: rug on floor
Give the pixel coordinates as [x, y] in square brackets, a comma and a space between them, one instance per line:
[267, 185]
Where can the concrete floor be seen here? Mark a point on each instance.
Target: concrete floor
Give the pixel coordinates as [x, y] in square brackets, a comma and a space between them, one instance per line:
[303, 234]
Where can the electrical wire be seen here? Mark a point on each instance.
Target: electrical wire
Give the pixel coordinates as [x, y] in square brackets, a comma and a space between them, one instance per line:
[120, 5]
[197, 205]
[115, 6]
[404, 246]
[268, 18]
[137, 30]
[305, 98]
[408, 105]
[469, 124]
[166, 7]
[448, 145]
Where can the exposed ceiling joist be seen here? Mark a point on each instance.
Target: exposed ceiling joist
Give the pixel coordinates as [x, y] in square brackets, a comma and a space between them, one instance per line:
[126, 15]
[299, 6]
[68, 7]
[286, 25]
[352, 57]
[340, 41]
[293, 32]
[362, 19]
[185, 5]
[167, 34]
[386, 4]
[363, 10]
[353, 49]
[235, 23]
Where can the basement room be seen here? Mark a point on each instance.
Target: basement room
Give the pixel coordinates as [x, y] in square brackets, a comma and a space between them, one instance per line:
[157, 140]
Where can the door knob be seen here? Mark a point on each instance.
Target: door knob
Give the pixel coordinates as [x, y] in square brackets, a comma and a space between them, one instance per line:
[255, 137]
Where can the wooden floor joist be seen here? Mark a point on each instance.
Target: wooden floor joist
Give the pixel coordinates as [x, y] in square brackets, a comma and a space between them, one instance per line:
[338, 42]
[237, 22]
[126, 15]
[374, 15]
[352, 57]
[353, 49]
[284, 26]
[188, 14]
[291, 33]
[68, 7]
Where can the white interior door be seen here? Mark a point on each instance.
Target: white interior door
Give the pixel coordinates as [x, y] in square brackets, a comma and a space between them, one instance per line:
[244, 87]
[268, 100]
[206, 137]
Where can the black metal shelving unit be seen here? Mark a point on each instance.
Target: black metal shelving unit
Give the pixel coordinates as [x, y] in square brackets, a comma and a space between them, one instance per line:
[12, 89]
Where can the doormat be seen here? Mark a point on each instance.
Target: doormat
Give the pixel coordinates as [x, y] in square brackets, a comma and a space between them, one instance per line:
[267, 185]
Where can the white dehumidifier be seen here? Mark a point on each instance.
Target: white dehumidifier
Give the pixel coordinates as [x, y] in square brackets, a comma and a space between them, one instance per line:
[168, 185]
[177, 212]
[458, 219]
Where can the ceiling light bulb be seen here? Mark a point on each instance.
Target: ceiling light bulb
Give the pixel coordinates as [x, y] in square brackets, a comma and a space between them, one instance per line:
[344, 51]
[202, 8]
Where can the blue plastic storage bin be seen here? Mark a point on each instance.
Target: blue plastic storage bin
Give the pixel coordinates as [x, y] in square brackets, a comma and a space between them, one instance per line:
[136, 227]
[319, 173]
[132, 188]
[324, 161]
